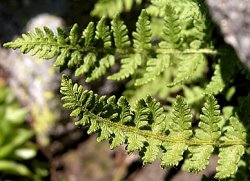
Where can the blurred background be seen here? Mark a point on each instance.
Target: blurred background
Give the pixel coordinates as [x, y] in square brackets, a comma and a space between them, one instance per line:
[38, 140]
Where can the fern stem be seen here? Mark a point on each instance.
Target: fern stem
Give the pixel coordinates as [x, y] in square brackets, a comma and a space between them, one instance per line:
[160, 137]
[188, 51]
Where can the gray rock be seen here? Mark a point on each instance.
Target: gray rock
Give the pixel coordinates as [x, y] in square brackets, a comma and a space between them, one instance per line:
[35, 81]
[233, 18]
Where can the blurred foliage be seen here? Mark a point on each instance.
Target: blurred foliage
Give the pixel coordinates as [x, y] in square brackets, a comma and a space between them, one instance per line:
[17, 151]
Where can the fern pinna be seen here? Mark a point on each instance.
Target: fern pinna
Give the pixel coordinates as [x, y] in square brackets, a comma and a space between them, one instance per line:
[147, 128]
[145, 56]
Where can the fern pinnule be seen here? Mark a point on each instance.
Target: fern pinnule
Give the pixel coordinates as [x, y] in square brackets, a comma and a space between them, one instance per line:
[120, 33]
[155, 66]
[217, 83]
[105, 63]
[230, 155]
[74, 35]
[89, 62]
[171, 30]
[188, 65]
[111, 7]
[102, 33]
[142, 35]
[157, 114]
[180, 129]
[89, 34]
[223, 73]
[208, 132]
[128, 67]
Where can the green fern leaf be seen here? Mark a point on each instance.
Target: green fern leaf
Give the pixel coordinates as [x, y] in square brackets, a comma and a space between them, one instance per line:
[88, 63]
[142, 35]
[74, 35]
[156, 8]
[120, 33]
[111, 7]
[155, 67]
[103, 33]
[62, 37]
[187, 68]
[117, 139]
[141, 114]
[40, 43]
[114, 120]
[46, 45]
[180, 129]
[62, 57]
[229, 155]
[207, 133]
[104, 133]
[223, 73]
[135, 142]
[74, 58]
[217, 83]
[105, 63]
[125, 114]
[152, 151]
[128, 67]
[89, 34]
[171, 30]
[157, 114]
[145, 129]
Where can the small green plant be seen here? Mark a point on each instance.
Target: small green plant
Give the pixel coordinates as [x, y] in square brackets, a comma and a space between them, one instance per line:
[171, 51]
[16, 147]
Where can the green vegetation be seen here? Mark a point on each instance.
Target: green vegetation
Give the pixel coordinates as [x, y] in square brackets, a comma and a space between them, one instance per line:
[17, 151]
[172, 51]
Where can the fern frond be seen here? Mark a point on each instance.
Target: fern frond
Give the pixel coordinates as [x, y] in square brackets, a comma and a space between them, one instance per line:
[142, 35]
[208, 132]
[230, 155]
[74, 50]
[180, 128]
[155, 67]
[85, 53]
[147, 128]
[115, 120]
